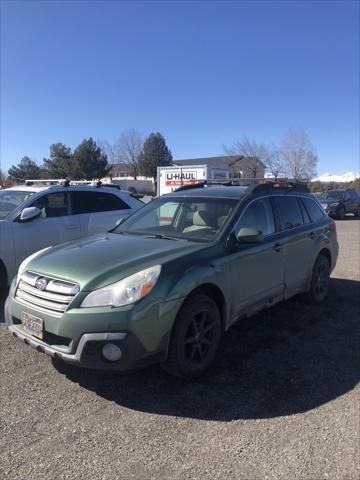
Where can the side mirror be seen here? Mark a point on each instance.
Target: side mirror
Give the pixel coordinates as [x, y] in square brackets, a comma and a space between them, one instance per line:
[250, 235]
[29, 214]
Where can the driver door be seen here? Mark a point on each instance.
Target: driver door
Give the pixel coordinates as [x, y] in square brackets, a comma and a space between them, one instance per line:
[54, 226]
[257, 270]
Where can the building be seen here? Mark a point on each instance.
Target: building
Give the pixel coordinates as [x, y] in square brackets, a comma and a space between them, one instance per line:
[239, 167]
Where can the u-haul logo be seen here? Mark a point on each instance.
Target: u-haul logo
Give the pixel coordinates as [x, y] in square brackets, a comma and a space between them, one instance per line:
[180, 178]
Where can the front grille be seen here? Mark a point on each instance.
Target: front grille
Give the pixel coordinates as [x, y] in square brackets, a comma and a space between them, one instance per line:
[49, 293]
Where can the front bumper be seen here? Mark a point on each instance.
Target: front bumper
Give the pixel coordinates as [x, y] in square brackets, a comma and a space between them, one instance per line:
[141, 332]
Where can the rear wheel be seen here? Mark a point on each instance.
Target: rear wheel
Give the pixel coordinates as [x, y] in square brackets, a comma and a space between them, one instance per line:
[341, 213]
[319, 280]
[357, 213]
[3, 280]
[195, 338]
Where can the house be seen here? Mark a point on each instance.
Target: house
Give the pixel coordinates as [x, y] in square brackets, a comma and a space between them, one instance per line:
[240, 167]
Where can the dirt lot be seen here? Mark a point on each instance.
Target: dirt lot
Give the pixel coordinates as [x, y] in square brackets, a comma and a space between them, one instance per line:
[282, 402]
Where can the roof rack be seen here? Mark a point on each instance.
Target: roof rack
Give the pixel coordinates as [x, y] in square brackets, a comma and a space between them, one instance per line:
[262, 186]
[66, 182]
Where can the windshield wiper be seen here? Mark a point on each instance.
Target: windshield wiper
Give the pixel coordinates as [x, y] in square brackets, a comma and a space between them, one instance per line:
[159, 235]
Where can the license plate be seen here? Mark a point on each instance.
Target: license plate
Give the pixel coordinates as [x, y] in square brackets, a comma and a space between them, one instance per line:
[32, 324]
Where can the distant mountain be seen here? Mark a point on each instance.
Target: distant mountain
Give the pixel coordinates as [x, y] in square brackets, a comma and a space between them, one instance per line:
[345, 177]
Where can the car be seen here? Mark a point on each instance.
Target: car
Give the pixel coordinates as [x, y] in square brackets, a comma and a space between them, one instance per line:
[37, 216]
[338, 202]
[167, 282]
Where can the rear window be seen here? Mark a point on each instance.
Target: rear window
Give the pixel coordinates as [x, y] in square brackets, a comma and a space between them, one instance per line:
[93, 202]
[313, 209]
[289, 212]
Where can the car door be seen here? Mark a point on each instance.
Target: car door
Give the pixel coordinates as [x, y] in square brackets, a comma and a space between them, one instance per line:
[98, 211]
[256, 269]
[54, 226]
[297, 240]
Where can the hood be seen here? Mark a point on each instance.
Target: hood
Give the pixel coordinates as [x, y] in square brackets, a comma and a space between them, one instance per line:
[106, 258]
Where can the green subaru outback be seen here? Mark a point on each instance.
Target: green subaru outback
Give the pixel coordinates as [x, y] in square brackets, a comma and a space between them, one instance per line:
[166, 283]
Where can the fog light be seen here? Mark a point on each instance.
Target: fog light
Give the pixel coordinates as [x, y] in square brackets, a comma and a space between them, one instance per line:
[111, 352]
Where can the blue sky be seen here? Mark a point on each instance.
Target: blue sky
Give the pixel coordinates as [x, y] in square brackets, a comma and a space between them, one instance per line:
[202, 73]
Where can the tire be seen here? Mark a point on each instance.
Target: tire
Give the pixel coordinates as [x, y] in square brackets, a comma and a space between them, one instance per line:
[3, 280]
[341, 214]
[195, 338]
[319, 281]
[357, 213]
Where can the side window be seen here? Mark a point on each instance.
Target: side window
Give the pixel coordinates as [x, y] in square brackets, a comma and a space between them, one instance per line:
[347, 196]
[313, 209]
[289, 212]
[258, 215]
[93, 202]
[53, 204]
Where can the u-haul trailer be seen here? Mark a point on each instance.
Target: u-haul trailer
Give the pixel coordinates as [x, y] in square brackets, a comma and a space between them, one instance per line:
[171, 178]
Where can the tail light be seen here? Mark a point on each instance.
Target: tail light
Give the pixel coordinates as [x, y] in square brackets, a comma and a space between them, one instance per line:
[333, 225]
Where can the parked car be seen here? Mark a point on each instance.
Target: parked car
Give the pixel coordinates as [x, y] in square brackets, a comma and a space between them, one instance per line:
[165, 288]
[34, 217]
[337, 203]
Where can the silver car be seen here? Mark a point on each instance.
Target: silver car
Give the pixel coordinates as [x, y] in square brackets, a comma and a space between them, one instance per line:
[36, 217]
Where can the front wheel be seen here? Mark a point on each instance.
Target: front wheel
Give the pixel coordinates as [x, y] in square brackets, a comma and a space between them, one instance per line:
[195, 338]
[319, 280]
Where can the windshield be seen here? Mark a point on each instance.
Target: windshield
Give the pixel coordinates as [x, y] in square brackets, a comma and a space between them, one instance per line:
[195, 219]
[11, 199]
[332, 196]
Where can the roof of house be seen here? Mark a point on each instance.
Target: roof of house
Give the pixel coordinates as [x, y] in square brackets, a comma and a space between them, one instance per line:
[224, 161]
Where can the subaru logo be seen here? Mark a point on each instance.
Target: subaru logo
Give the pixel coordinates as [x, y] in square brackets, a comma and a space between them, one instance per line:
[41, 283]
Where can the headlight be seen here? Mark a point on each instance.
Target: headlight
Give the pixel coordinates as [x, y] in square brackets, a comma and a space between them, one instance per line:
[335, 204]
[125, 292]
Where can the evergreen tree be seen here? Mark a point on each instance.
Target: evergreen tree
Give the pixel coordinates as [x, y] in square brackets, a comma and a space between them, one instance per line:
[155, 153]
[59, 163]
[88, 162]
[25, 170]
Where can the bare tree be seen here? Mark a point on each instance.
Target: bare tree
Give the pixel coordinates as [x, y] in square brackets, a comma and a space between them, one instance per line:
[275, 163]
[109, 149]
[299, 155]
[256, 153]
[3, 178]
[126, 149]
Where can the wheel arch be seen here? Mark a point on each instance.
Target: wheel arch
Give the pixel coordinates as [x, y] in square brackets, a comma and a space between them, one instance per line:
[326, 252]
[214, 292]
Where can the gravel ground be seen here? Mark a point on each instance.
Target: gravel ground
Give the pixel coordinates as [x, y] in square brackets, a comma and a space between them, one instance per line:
[282, 402]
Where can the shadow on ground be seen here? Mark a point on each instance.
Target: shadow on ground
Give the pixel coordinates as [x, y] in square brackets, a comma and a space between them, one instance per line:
[286, 360]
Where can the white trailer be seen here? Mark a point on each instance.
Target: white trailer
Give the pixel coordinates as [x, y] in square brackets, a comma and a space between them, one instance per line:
[171, 178]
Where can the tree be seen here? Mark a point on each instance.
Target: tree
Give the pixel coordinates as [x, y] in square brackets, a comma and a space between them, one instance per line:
[298, 155]
[59, 163]
[155, 153]
[255, 153]
[127, 149]
[275, 164]
[88, 162]
[3, 178]
[25, 170]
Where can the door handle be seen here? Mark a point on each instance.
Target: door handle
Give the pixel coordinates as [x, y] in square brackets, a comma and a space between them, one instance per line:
[277, 247]
[72, 227]
[312, 235]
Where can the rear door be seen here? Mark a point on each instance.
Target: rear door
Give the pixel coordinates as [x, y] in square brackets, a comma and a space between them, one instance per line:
[256, 269]
[98, 211]
[296, 239]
